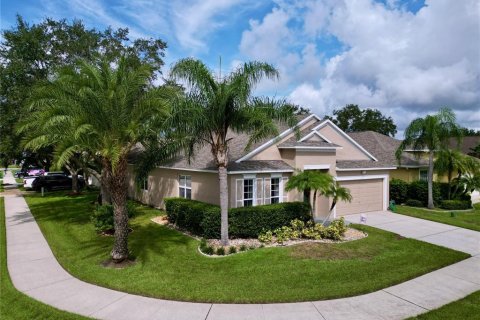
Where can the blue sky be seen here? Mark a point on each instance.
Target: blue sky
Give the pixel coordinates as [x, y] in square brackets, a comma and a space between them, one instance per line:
[406, 58]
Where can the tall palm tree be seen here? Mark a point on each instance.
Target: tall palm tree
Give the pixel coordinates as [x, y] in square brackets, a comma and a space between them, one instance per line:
[107, 110]
[213, 107]
[447, 162]
[308, 181]
[431, 134]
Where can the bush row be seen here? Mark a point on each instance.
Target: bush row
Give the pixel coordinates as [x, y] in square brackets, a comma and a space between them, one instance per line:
[301, 230]
[456, 204]
[203, 219]
[403, 192]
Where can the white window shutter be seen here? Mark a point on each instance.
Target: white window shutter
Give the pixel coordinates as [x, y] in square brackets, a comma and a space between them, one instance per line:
[267, 186]
[239, 193]
[259, 196]
[284, 194]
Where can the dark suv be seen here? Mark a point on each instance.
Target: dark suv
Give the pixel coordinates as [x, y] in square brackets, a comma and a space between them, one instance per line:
[55, 182]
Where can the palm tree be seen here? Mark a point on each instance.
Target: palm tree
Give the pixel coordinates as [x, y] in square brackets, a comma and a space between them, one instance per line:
[337, 193]
[308, 181]
[447, 162]
[431, 134]
[213, 107]
[108, 109]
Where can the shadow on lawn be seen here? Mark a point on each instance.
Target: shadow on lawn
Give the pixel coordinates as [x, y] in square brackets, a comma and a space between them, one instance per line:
[72, 214]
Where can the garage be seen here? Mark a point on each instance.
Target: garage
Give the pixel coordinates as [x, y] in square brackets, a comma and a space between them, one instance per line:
[367, 195]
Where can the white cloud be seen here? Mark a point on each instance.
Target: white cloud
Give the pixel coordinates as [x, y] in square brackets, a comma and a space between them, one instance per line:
[394, 60]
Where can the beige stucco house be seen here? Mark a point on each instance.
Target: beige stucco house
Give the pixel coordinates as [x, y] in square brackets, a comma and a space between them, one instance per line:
[362, 162]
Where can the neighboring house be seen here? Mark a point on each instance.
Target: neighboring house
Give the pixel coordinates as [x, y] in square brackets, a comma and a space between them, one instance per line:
[258, 176]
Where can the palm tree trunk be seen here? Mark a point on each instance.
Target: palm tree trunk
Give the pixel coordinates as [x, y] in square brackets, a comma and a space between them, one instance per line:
[222, 177]
[314, 204]
[74, 175]
[118, 188]
[104, 189]
[430, 180]
[449, 195]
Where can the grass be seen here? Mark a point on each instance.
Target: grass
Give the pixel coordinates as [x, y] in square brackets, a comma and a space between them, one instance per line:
[169, 266]
[463, 219]
[466, 308]
[14, 304]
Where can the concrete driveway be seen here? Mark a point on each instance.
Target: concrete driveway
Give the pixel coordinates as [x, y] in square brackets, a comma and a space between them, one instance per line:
[429, 231]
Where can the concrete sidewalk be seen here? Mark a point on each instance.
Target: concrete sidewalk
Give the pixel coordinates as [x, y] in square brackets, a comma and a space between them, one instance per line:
[35, 271]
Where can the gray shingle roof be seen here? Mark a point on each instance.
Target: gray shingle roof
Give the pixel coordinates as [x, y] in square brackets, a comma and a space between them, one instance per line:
[383, 148]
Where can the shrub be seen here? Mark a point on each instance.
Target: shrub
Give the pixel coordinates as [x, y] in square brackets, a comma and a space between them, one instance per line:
[398, 190]
[310, 230]
[220, 251]
[203, 244]
[266, 236]
[232, 249]
[456, 204]
[418, 190]
[207, 250]
[203, 219]
[243, 247]
[102, 216]
[414, 203]
[248, 222]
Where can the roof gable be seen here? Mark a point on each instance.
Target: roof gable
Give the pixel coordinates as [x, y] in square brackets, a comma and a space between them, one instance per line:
[352, 149]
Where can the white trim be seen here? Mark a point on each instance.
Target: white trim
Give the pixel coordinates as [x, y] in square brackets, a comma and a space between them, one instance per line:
[385, 178]
[187, 169]
[249, 176]
[418, 150]
[276, 175]
[260, 171]
[334, 126]
[316, 166]
[311, 148]
[229, 172]
[317, 133]
[365, 169]
[276, 139]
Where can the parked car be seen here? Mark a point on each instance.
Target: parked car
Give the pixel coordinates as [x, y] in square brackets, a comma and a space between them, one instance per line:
[55, 182]
[27, 182]
[54, 173]
[35, 171]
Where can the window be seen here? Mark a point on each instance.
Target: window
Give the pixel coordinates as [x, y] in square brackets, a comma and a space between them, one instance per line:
[423, 175]
[248, 192]
[185, 189]
[145, 184]
[275, 190]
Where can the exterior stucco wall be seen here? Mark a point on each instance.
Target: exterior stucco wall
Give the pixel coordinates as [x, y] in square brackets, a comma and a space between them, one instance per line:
[349, 151]
[303, 158]
[413, 174]
[164, 183]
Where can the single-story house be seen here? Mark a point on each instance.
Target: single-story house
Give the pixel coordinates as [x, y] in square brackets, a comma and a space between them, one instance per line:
[362, 162]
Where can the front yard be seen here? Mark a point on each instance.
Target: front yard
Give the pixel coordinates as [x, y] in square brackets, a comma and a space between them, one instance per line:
[169, 266]
[14, 304]
[463, 219]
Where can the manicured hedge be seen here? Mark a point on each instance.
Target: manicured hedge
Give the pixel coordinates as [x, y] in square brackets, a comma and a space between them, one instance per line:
[414, 203]
[418, 190]
[398, 191]
[203, 219]
[456, 204]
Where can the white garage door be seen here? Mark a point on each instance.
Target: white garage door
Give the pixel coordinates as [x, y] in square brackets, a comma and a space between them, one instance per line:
[367, 195]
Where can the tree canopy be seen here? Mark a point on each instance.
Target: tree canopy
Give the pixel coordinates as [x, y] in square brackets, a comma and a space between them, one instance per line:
[33, 53]
[352, 118]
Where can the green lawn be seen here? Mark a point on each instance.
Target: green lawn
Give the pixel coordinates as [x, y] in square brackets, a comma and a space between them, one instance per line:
[169, 266]
[464, 219]
[14, 304]
[466, 308]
